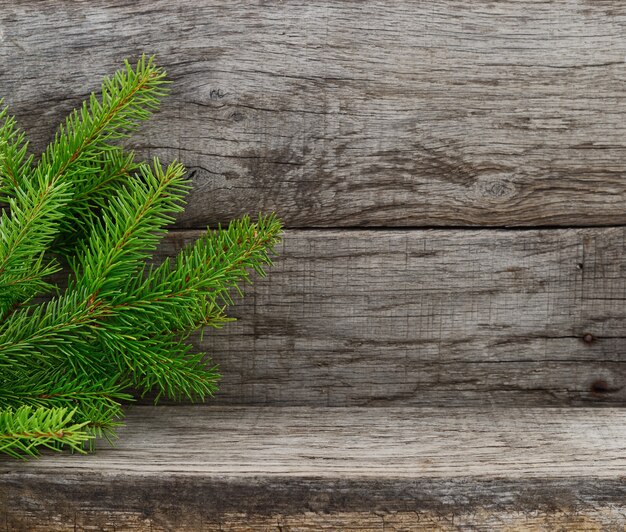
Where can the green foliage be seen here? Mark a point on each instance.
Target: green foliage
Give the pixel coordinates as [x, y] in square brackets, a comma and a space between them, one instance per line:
[24, 430]
[69, 358]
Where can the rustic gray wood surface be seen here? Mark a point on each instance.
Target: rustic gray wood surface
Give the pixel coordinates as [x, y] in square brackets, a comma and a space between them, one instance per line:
[191, 467]
[434, 317]
[453, 112]
[344, 115]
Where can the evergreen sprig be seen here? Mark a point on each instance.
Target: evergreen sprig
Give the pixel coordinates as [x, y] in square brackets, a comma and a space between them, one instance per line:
[69, 361]
[24, 430]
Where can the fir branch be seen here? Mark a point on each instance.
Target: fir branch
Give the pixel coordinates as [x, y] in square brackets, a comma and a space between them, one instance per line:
[15, 162]
[131, 226]
[98, 404]
[114, 168]
[162, 362]
[223, 258]
[25, 429]
[58, 388]
[182, 299]
[35, 212]
[111, 171]
[192, 292]
[66, 362]
[82, 151]
[127, 98]
[52, 333]
[35, 201]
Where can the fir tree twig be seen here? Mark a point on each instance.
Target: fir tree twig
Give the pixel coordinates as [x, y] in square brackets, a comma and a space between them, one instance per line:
[67, 363]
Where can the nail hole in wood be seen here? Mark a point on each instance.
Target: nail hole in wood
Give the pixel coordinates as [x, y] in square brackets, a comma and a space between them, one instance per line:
[588, 338]
[600, 387]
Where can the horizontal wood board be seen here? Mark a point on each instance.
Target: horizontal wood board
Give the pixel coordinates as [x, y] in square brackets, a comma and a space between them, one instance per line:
[197, 468]
[446, 113]
[429, 317]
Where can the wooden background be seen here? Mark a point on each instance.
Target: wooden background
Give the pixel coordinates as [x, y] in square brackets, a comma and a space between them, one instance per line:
[452, 176]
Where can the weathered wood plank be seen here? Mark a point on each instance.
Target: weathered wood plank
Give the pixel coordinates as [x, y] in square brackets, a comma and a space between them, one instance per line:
[430, 317]
[196, 468]
[450, 112]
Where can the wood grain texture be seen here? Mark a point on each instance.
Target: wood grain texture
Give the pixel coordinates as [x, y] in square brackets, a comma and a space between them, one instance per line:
[437, 317]
[194, 468]
[454, 112]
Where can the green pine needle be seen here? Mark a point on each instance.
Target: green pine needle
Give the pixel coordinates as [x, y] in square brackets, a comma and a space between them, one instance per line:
[24, 430]
[67, 363]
